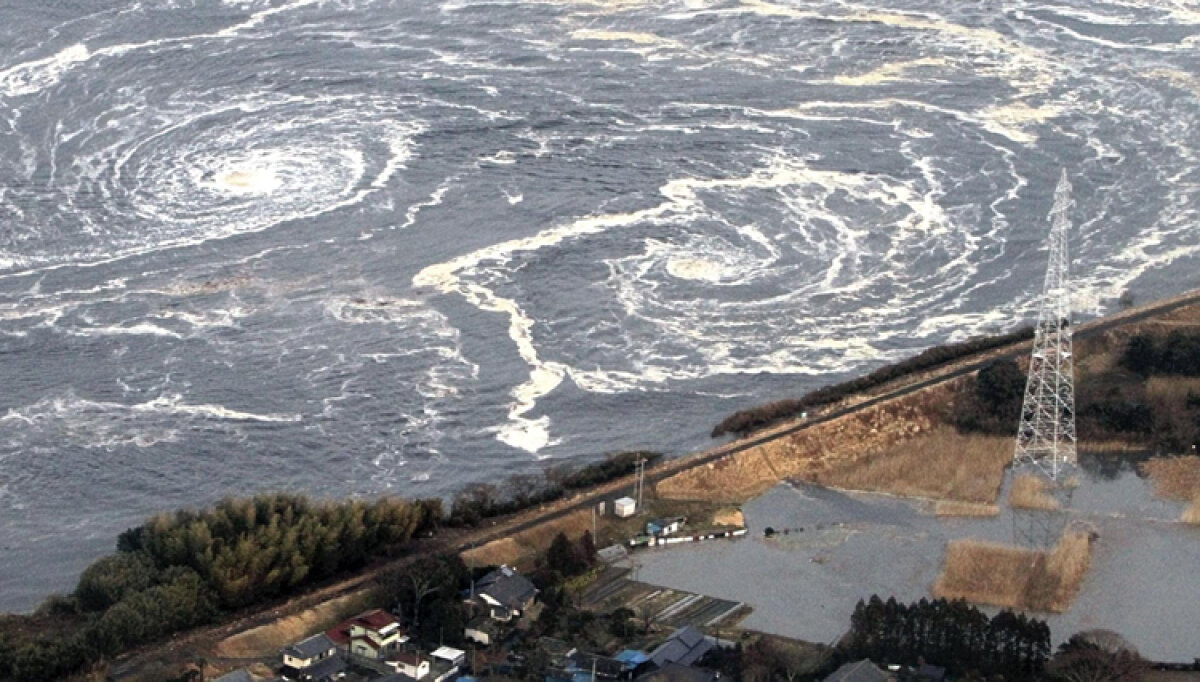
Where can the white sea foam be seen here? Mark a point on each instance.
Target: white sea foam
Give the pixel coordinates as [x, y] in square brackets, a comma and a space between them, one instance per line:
[34, 76]
[104, 424]
[187, 172]
[708, 259]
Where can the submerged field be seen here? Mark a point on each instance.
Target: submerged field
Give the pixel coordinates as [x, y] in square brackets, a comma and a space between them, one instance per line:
[843, 546]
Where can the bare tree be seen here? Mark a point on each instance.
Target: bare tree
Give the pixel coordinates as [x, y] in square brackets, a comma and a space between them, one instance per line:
[422, 584]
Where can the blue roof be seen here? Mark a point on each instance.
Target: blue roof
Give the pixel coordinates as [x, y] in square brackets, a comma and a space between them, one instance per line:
[633, 657]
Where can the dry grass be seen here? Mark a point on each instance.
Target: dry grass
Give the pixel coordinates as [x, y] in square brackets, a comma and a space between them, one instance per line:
[941, 464]
[267, 640]
[1174, 478]
[1013, 577]
[729, 517]
[522, 549]
[494, 553]
[972, 509]
[1192, 513]
[1029, 492]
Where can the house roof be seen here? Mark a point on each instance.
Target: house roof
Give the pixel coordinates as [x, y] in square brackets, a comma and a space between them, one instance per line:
[242, 675]
[859, 671]
[311, 647]
[448, 653]
[396, 677]
[506, 586]
[673, 672]
[375, 620]
[326, 668]
[685, 646]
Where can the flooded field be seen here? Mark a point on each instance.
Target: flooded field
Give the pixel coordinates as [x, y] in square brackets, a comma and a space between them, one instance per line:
[833, 548]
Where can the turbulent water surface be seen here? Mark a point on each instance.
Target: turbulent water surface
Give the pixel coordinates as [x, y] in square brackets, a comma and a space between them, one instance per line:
[350, 247]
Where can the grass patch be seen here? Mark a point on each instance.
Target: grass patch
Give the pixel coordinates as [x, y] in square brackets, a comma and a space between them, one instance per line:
[1031, 492]
[1174, 478]
[1014, 577]
[943, 464]
[267, 640]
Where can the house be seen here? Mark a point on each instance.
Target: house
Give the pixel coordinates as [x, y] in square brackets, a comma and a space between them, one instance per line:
[313, 660]
[860, 671]
[450, 655]
[408, 663]
[685, 646]
[372, 634]
[307, 652]
[445, 662]
[665, 526]
[506, 593]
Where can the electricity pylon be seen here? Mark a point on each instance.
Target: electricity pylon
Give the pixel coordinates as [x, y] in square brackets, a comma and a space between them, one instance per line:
[1046, 435]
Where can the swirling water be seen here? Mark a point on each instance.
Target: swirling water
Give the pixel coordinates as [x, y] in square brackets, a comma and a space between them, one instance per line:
[357, 246]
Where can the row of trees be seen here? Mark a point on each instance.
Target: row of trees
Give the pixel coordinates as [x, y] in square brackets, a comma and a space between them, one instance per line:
[747, 421]
[953, 634]
[1108, 406]
[184, 569]
[1176, 354]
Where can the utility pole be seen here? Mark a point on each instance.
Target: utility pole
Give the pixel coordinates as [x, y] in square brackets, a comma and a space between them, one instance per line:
[1045, 443]
[1046, 435]
[641, 481]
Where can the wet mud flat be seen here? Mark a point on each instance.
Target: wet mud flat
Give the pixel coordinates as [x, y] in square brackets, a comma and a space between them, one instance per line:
[832, 548]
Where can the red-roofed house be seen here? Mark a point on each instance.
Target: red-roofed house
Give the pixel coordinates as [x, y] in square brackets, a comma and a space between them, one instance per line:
[373, 634]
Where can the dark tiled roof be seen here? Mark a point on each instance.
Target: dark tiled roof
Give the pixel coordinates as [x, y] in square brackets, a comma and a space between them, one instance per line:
[686, 646]
[325, 669]
[311, 647]
[506, 586]
[859, 671]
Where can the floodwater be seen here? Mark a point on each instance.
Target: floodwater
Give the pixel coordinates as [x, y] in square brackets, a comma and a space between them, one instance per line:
[355, 247]
[842, 547]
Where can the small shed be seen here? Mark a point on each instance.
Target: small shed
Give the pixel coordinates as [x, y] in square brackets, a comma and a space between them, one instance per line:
[665, 526]
[625, 507]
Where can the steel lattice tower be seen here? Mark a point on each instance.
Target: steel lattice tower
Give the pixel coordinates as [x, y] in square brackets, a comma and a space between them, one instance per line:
[1046, 436]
